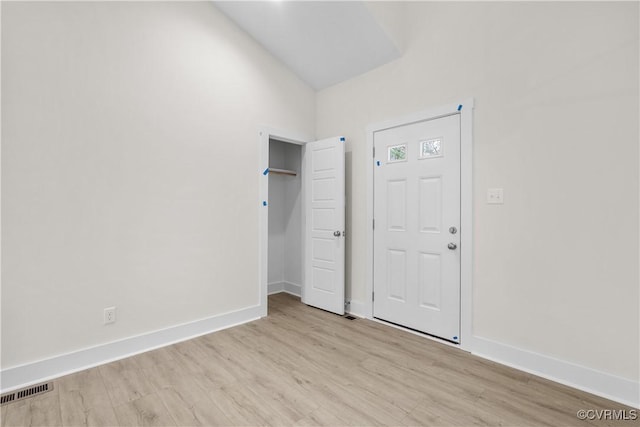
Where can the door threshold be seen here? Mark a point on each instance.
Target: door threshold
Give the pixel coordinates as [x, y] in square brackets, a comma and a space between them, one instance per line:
[419, 333]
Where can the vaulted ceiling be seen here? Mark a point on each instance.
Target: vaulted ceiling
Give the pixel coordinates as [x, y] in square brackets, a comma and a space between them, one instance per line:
[324, 43]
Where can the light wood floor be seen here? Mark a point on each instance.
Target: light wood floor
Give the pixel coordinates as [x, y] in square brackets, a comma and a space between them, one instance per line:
[303, 366]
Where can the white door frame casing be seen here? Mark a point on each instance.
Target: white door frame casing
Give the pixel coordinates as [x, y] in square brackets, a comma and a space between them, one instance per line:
[265, 134]
[465, 109]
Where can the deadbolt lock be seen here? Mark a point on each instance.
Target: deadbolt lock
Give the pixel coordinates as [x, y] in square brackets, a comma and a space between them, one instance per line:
[453, 230]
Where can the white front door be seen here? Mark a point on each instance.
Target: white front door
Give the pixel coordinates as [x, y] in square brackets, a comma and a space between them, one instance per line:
[324, 217]
[417, 226]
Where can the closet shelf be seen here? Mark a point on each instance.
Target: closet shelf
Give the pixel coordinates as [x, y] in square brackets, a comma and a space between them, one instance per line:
[283, 171]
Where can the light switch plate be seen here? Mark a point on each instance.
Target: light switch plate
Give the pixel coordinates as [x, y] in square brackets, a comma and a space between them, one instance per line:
[495, 196]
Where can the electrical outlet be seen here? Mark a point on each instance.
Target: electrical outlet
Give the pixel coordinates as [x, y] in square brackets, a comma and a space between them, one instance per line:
[495, 196]
[109, 315]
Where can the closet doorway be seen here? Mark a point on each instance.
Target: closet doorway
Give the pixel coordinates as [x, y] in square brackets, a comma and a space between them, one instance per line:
[302, 220]
[284, 266]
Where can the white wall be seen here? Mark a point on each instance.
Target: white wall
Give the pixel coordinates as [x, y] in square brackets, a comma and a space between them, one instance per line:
[277, 209]
[293, 217]
[285, 220]
[130, 168]
[555, 125]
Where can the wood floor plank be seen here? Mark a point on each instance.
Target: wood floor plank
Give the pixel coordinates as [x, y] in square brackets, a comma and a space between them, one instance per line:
[306, 367]
[78, 409]
[187, 385]
[288, 394]
[43, 410]
[84, 400]
[145, 411]
[320, 417]
[125, 381]
[377, 407]
[237, 405]
[449, 412]
[192, 412]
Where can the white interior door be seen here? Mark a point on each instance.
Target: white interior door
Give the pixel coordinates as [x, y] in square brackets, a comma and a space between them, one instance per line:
[417, 226]
[323, 175]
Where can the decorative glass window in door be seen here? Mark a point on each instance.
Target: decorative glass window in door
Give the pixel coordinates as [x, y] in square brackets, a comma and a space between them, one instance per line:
[431, 148]
[397, 153]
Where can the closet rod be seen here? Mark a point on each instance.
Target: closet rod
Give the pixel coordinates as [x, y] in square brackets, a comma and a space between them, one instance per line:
[283, 171]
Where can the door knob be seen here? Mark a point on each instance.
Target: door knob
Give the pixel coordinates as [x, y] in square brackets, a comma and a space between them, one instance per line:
[336, 233]
[452, 246]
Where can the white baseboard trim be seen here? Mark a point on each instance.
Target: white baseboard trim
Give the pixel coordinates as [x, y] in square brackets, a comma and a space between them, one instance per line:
[288, 287]
[356, 308]
[57, 366]
[609, 386]
[293, 289]
[275, 288]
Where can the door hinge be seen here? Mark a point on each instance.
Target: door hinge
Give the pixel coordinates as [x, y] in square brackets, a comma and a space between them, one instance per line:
[374, 152]
[374, 223]
[373, 296]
